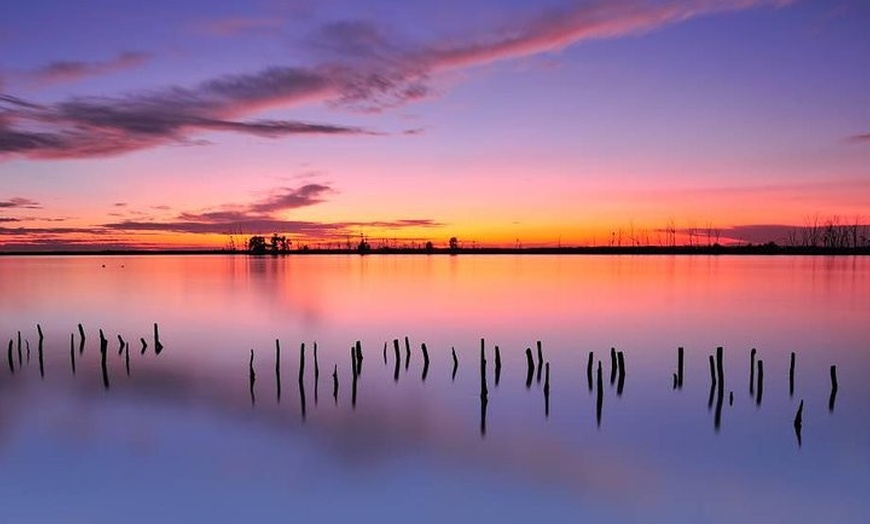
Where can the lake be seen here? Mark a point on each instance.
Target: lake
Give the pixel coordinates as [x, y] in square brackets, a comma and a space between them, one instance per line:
[185, 438]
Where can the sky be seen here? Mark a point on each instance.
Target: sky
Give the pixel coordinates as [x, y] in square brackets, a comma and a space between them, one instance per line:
[126, 124]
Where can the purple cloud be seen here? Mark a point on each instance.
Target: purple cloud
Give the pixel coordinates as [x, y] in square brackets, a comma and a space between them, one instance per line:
[73, 71]
[19, 203]
[361, 67]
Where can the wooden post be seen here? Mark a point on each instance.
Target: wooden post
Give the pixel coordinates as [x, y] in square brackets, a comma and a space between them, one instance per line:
[277, 370]
[20, 359]
[252, 377]
[385, 353]
[484, 392]
[530, 367]
[158, 347]
[27, 347]
[81, 339]
[589, 370]
[540, 361]
[752, 371]
[353, 388]
[302, 404]
[497, 366]
[484, 395]
[72, 353]
[547, 389]
[620, 357]
[712, 382]
[834, 387]
[680, 367]
[791, 375]
[455, 363]
[425, 361]
[407, 353]
[104, 346]
[759, 388]
[335, 383]
[127, 359]
[599, 401]
[39, 349]
[720, 367]
[144, 346]
[359, 356]
[712, 371]
[121, 345]
[398, 360]
[9, 356]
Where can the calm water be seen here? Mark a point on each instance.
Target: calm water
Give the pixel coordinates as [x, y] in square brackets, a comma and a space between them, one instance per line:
[180, 439]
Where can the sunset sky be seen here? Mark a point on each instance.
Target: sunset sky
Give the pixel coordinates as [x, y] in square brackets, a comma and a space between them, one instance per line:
[170, 124]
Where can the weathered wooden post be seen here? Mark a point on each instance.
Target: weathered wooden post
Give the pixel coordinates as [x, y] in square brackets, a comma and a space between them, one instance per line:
[759, 388]
[81, 339]
[530, 368]
[720, 369]
[834, 387]
[127, 359]
[354, 379]
[455, 363]
[104, 346]
[302, 403]
[385, 353]
[752, 371]
[144, 346]
[599, 400]
[547, 389]
[620, 357]
[540, 361]
[20, 359]
[712, 382]
[121, 344]
[359, 356]
[589, 370]
[27, 347]
[252, 376]
[158, 347]
[72, 353]
[484, 392]
[680, 365]
[791, 375]
[425, 360]
[398, 360]
[277, 370]
[407, 353]
[335, 383]
[39, 349]
[799, 421]
[317, 371]
[497, 366]
[9, 356]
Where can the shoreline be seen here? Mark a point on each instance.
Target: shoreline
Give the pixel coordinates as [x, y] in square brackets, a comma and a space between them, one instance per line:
[767, 249]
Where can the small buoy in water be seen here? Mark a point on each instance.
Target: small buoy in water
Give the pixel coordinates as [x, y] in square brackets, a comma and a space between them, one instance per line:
[104, 265]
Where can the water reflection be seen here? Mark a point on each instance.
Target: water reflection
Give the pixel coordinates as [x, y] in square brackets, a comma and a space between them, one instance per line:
[652, 453]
